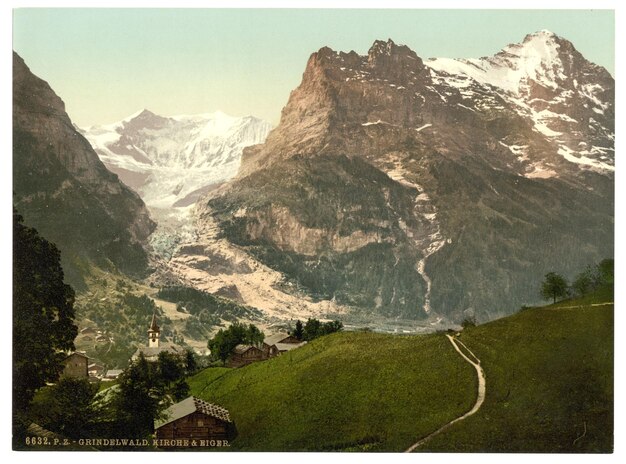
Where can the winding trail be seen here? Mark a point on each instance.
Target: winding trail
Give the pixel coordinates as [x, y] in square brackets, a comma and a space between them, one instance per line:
[482, 389]
[584, 306]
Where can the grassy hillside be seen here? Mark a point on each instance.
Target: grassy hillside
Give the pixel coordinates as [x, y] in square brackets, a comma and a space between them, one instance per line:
[549, 378]
[346, 391]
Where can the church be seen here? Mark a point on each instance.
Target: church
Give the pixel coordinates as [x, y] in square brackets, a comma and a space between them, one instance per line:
[155, 346]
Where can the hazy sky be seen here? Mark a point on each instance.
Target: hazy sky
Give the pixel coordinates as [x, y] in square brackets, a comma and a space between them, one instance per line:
[108, 63]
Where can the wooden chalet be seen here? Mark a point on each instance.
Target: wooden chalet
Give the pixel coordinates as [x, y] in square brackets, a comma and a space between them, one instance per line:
[243, 355]
[95, 370]
[280, 348]
[280, 343]
[195, 419]
[75, 365]
[113, 374]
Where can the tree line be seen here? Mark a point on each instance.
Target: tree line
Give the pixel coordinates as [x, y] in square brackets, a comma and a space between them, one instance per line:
[555, 287]
[313, 329]
[225, 340]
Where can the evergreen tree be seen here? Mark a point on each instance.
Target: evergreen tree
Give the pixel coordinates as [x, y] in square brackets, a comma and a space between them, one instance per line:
[138, 400]
[311, 329]
[43, 315]
[145, 389]
[191, 364]
[299, 331]
[254, 336]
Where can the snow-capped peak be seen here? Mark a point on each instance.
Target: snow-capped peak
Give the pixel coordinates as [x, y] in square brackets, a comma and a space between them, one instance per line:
[536, 58]
[541, 33]
[136, 114]
[167, 158]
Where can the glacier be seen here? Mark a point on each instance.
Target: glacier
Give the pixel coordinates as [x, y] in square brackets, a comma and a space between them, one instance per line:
[171, 161]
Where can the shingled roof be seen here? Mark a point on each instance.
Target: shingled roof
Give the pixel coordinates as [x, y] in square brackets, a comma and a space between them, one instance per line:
[189, 406]
[275, 338]
[240, 349]
[288, 346]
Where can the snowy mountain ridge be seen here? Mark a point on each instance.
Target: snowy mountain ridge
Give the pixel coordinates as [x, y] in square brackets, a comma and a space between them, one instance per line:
[542, 57]
[546, 80]
[170, 161]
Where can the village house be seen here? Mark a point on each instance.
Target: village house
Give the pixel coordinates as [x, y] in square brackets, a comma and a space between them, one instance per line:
[195, 419]
[280, 348]
[243, 355]
[272, 346]
[112, 374]
[155, 346]
[75, 365]
[95, 370]
[280, 343]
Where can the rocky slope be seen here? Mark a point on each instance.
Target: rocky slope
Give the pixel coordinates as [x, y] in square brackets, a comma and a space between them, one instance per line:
[172, 161]
[442, 188]
[63, 190]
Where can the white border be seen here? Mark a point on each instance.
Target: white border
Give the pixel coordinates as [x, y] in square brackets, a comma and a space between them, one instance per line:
[305, 458]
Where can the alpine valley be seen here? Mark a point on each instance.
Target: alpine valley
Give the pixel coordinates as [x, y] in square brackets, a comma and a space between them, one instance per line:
[396, 192]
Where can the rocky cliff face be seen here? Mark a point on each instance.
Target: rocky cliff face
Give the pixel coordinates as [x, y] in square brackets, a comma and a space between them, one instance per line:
[444, 187]
[63, 189]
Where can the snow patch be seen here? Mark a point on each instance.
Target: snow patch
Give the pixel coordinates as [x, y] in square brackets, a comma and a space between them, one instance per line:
[584, 161]
[539, 171]
[374, 123]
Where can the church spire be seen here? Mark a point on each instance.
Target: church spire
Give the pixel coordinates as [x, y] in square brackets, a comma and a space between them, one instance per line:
[153, 333]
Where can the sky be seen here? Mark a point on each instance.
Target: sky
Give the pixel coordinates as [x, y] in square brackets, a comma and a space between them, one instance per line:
[109, 63]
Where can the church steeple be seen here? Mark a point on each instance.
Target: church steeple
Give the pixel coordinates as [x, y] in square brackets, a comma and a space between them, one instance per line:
[153, 333]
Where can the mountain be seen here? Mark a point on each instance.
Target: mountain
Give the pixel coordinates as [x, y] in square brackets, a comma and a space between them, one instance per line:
[442, 188]
[172, 161]
[569, 99]
[63, 190]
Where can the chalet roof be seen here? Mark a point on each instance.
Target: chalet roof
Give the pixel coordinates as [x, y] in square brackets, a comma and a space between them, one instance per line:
[288, 346]
[77, 353]
[275, 338]
[114, 372]
[189, 406]
[241, 349]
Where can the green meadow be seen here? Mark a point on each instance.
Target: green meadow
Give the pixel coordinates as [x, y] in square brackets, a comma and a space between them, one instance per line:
[549, 375]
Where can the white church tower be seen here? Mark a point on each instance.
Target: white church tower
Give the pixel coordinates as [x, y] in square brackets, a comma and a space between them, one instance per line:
[153, 333]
